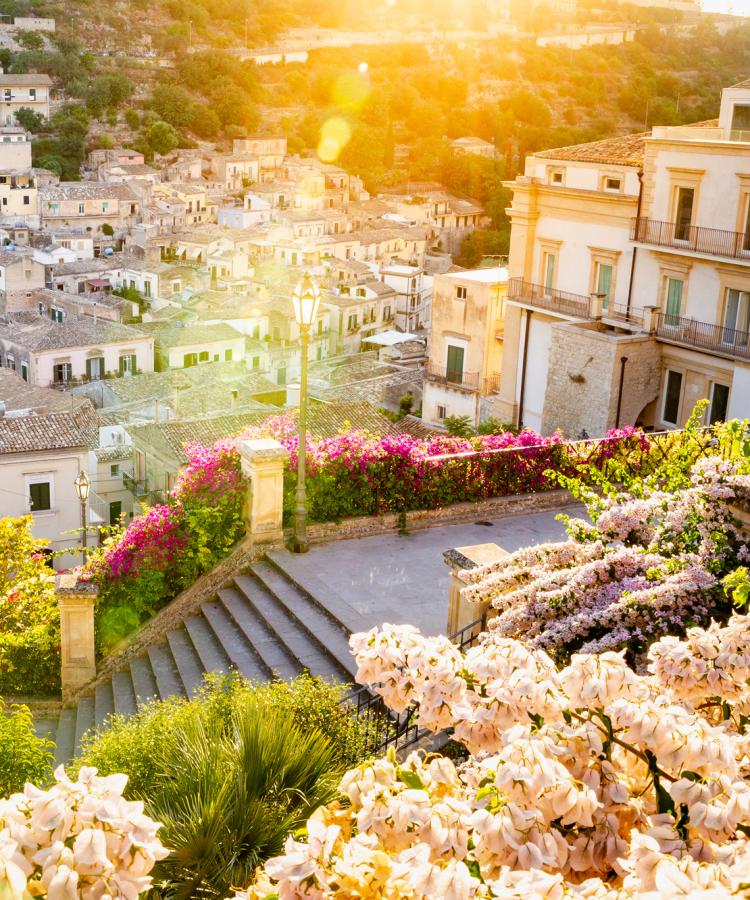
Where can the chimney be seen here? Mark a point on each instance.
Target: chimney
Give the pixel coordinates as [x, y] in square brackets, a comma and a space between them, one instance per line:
[292, 394]
[234, 393]
[2, 408]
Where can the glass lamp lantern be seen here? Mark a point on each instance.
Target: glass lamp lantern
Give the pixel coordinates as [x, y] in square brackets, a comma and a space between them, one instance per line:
[306, 300]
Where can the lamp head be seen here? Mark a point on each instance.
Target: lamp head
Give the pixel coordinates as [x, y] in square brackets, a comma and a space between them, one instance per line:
[83, 485]
[306, 299]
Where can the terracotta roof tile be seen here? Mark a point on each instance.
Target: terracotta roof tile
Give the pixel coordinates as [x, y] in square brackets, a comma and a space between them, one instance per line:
[626, 150]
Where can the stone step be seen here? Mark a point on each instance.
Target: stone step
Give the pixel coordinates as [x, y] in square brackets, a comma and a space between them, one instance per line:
[66, 736]
[207, 646]
[233, 641]
[46, 727]
[123, 693]
[144, 682]
[267, 642]
[305, 649]
[104, 703]
[327, 632]
[84, 721]
[186, 660]
[168, 681]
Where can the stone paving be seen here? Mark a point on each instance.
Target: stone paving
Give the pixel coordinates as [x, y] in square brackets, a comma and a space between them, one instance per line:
[389, 578]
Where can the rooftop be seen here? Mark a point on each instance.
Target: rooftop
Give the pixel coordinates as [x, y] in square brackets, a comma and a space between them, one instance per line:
[87, 190]
[29, 330]
[490, 275]
[34, 78]
[170, 336]
[626, 150]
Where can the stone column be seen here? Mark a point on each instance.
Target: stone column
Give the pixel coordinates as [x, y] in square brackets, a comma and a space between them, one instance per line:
[461, 612]
[650, 314]
[263, 462]
[596, 305]
[76, 600]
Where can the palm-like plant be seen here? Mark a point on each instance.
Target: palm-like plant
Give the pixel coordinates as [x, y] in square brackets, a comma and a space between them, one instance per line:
[232, 793]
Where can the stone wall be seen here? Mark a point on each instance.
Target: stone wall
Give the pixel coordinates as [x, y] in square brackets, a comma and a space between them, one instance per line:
[584, 376]
[455, 514]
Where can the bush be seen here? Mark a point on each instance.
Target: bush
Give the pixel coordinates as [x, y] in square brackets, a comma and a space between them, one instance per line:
[24, 756]
[29, 616]
[241, 763]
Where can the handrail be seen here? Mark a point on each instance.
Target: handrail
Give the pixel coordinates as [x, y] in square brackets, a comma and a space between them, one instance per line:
[699, 239]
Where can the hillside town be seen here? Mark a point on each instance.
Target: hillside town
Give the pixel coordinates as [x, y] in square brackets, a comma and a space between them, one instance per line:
[374, 450]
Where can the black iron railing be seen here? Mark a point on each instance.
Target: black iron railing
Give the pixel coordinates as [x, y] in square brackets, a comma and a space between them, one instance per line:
[703, 335]
[384, 728]
[455, 377]
[713, 241]
[620, 313]
[538, 295]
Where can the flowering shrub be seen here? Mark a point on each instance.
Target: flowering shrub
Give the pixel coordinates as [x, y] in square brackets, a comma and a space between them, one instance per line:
[29, 616]
[201, 520]
[77, 839]
[588, 781]
[648, 566]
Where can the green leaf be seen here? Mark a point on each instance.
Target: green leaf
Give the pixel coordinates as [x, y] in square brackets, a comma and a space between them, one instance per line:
[410, 779]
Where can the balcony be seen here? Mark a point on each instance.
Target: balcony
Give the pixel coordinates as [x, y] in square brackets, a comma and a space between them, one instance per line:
[492, 384]
[703, 336]
[137, 487]
[541, 297]
[466, 381]
[693, 238]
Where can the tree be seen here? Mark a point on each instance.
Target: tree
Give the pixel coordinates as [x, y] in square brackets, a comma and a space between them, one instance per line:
[174, 104]
[30, 40]
[30, 119]
[132, 119]
[161, 137]
[458, 426]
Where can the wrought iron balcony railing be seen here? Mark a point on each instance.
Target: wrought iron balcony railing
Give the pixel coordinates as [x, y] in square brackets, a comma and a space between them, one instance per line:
[712, 241]
[549, 299]
[703, 335]
[455, 378]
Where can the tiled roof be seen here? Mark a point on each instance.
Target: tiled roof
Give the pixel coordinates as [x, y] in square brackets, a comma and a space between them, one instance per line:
[19, 394]
[84, 190]
[11, 257]
[417, 427]
[51, 431]
[198, 333]
[11, 80]
[742, 84]
[324, 420]
[113, 453]
[35, 333]
[626, 150]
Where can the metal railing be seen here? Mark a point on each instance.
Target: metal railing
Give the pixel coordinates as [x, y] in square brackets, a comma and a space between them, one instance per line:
[384, 728]
[703, 335]
[619, 313]
[137, 487]
[460, 379]
[550, 299]
[713, 241]
[492, 384]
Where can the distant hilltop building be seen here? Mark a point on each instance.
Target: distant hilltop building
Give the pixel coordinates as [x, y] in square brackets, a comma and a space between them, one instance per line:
[474, 146]
[692, 6]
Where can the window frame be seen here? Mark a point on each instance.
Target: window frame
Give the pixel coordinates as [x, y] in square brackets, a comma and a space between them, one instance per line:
[40, 478]
[681, 375]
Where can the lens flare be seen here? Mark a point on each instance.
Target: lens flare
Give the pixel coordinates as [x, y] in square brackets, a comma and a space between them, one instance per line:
[362, 68]
[351, 90]
[334, 136]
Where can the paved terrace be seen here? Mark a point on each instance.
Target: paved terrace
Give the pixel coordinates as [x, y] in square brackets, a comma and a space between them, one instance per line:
[392, 578]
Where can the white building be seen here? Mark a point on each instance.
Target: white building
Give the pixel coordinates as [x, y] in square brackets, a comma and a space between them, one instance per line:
[630, 291]
[24, 92]
[45, 437]
[413, 292]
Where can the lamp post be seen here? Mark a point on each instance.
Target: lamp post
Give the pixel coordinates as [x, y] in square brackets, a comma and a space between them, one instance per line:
[83, 485]
[305, 299]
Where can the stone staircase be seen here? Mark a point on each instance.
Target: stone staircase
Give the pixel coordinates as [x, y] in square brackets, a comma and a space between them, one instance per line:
[265, 625]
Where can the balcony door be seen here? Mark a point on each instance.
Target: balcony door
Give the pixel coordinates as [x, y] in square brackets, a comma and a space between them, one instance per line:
[604, 281]
[454, 369]
[736, 323]
[95, 368]
[550, 262]
[684, 213]
[674, 302]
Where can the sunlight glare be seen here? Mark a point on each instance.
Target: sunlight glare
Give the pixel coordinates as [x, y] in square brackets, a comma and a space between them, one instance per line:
[334, 136]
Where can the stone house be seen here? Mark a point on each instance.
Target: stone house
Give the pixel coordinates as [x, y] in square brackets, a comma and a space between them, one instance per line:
[24, 92]
[20, 274]
[59, 353]
[465, 348]
[89, 205]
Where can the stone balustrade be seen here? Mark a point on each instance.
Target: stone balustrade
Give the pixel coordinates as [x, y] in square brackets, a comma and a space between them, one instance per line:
[263, 462]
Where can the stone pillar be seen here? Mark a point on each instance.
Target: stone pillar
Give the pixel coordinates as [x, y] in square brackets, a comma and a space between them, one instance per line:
[76, 600]
[461, 612]
[650, 314]
[263, 462]
[596, 305]
[740, 509]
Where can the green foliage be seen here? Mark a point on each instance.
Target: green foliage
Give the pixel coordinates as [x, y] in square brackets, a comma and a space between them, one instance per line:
[23, 755]
[458, 426]
[160, 137]
[737, 586]
[495, 426]
[30, 119]
[29, 616]
[30, 40]
[230, 772]
[65, 146]
[110, 89]
[107, 229]
[406, 405]
[132, 119]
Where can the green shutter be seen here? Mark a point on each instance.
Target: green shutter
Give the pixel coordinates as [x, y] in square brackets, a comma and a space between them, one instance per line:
[674, 301]
[604, 282]
[455, 367]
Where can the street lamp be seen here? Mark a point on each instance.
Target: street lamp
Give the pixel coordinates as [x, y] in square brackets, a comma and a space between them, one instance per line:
[83, 486]
[305, 300]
